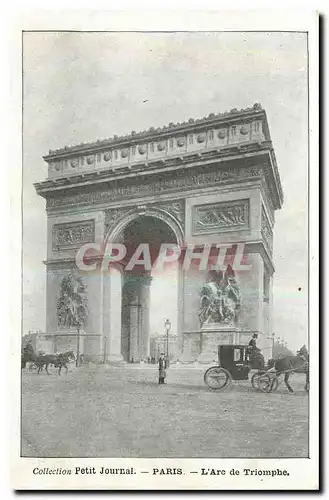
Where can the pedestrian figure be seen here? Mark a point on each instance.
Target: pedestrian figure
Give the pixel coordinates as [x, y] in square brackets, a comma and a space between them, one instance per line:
[162, 369]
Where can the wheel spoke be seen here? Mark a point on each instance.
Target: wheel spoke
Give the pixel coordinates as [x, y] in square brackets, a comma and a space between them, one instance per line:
[268, 383]
[217, 378]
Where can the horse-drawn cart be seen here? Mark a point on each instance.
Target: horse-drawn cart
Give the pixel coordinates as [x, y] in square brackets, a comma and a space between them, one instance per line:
[235, 363]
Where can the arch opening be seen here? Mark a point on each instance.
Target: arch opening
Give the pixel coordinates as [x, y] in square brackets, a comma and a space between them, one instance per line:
[150, 295]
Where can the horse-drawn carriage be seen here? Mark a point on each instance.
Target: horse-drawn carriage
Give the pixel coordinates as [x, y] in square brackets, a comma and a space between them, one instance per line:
[42, 360]
[235, 362]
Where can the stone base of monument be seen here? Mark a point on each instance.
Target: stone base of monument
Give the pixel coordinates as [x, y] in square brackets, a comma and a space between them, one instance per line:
[190, 348]
[115, 359]
[213, 335]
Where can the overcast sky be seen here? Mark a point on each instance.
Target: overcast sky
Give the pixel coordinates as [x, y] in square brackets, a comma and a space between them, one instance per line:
[84, 87]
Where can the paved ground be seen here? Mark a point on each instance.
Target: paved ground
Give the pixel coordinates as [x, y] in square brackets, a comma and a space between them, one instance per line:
[122, 412]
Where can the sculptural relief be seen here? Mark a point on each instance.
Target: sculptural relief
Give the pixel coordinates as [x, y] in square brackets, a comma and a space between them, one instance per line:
[219, 298]
[73, 234]
[112, 215]
[175, 208]
[221, 216]
[244, 130]
[266, 230]
[175, 182]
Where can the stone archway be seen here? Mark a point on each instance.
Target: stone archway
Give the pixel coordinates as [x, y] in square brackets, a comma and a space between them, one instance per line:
[128, 214]
[127, 294]
[213, 181]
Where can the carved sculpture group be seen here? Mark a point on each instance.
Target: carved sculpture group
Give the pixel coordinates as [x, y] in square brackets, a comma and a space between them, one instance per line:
[219, 298]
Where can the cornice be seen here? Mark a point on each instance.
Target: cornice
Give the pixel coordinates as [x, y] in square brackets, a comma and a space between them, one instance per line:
[169, 176]
[187, 160]
[227, 140]
[161, 132]
[155, 166]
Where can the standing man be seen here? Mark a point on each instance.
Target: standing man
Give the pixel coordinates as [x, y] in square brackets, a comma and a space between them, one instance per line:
[162, 368]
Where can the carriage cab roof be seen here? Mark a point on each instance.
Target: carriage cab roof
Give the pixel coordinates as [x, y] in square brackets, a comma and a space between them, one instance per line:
[233, 346]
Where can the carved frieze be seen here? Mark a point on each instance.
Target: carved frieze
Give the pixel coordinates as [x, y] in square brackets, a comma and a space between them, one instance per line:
[150, 186]
[266, 230]
[70, 235]
[112, 215]
[219, 217]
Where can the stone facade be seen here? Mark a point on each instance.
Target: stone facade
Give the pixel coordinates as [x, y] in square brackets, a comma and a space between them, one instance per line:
[210, 181]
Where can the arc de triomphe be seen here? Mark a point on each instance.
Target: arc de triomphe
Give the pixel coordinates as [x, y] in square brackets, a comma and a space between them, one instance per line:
[212, 181]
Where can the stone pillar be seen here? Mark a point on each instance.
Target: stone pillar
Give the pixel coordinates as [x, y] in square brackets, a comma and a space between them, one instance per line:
[131, 316]
[250, 316]
[125, 328]
[144, 301]
[180, 310]
[136, 307]
[112, 286]
[134, 354]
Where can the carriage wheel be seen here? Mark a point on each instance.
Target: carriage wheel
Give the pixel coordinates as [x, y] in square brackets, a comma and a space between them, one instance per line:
[217, 378]
[255, 380]
[268, 383]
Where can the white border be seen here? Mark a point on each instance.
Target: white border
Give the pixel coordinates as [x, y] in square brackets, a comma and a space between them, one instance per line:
[303, 472]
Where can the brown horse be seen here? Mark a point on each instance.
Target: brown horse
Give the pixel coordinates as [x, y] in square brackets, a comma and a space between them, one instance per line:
[291, 364]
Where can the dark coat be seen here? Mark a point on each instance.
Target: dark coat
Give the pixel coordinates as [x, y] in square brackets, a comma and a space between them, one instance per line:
[162, 368]
[252, 344]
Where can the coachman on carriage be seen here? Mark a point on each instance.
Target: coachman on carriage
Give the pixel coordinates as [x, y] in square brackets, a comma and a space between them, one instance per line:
[256, 358]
